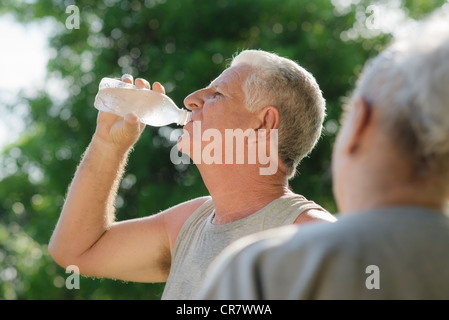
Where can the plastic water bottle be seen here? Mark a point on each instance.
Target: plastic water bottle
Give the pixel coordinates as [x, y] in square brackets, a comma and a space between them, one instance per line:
[152, 108]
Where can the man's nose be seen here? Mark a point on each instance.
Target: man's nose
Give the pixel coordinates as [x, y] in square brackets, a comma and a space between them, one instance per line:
[194, 100]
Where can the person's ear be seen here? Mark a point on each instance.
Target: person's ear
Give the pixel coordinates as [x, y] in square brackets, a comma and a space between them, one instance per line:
[357, 124]
[268, 118]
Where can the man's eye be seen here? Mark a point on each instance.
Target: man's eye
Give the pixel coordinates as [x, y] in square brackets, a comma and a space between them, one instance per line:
[217, 94]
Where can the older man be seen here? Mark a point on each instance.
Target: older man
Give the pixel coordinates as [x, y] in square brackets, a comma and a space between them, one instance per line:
[391, 184]
[262, 100]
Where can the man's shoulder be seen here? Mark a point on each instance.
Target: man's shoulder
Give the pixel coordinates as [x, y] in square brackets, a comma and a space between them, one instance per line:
[177, 216]
[307, 210]
[265, 251]
[282, 241]
[315, 215]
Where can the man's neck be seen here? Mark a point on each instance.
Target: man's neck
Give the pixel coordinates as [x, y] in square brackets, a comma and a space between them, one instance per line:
[239, 194]
[406, 194]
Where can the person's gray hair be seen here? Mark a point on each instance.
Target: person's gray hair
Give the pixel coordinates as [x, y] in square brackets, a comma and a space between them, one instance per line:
[282, 83]
[409, 82]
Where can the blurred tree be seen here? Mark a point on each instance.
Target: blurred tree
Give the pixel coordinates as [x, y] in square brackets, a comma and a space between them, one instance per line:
[184, 44]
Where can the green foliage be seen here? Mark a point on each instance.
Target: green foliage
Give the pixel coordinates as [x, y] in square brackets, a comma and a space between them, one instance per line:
[184, 44]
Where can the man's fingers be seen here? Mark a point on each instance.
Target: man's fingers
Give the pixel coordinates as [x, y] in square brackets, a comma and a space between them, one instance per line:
[142, 83]
[158, 87]
[127, 78]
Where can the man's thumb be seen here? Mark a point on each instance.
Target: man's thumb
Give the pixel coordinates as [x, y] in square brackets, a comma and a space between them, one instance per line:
[132, 124]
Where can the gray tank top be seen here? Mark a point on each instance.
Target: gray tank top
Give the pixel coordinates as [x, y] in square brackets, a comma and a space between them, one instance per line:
[200, 241]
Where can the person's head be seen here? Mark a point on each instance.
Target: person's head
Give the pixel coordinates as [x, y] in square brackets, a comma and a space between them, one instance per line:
[275, 91]
[398, 115]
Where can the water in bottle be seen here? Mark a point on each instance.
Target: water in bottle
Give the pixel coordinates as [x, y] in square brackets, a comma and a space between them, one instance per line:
[152, 108]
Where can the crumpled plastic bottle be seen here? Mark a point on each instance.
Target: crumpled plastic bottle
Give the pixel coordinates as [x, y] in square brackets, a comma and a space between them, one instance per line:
[152, 108]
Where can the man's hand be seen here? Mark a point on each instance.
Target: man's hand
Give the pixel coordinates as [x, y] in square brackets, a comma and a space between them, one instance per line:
[121, 133]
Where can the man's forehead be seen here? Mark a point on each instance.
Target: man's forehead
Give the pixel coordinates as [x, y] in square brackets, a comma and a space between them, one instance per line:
[232, 74]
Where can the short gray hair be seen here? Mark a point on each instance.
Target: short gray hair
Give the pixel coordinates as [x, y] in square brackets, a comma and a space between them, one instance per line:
[281, 82]
[409, 83]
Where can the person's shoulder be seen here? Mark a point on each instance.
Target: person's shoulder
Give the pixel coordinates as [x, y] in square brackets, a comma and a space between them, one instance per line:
[249, 247]
[312, 211]
[319, 235]
[252, 255]
[195, 203]
[315, 215]
[176, 216]
[188, 207]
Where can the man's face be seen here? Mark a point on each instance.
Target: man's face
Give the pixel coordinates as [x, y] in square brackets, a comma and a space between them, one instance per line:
[219, 106]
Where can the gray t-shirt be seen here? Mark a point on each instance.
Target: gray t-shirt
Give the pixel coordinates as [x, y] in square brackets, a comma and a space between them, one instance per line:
[390, 253]
[200, 241]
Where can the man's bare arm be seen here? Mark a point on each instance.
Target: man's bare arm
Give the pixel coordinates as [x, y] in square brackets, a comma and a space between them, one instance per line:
[86, 234]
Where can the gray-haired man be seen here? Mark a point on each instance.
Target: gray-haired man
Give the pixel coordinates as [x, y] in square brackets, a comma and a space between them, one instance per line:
[259, 92]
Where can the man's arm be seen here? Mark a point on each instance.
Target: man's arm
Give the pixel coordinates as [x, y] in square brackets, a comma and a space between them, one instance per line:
[86, 234]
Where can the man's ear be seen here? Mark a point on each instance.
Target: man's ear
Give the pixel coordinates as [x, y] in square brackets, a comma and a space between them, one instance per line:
[268, 118]
[358, 122]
